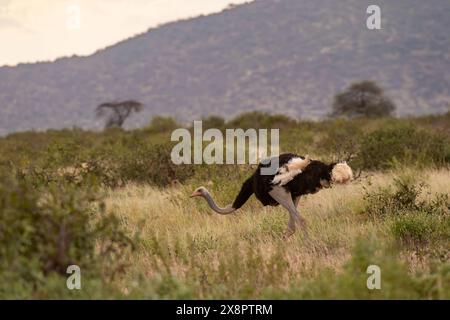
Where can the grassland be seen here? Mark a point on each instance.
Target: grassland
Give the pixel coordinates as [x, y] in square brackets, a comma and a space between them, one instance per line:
[191, 253]
[113, 204]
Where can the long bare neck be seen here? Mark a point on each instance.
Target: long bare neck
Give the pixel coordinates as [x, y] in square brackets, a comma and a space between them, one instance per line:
[227, 210]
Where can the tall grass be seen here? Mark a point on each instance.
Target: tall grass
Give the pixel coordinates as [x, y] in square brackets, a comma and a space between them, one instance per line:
[188, 252]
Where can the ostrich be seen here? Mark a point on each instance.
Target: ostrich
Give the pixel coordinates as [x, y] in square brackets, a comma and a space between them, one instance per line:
[296, 176]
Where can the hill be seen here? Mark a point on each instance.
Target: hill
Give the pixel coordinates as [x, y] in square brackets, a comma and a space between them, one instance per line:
[289, 56]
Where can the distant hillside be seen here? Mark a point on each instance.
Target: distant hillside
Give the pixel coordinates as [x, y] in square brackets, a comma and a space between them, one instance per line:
[288, 56]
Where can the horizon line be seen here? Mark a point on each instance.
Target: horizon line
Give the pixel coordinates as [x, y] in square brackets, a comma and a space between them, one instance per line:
[149, 29]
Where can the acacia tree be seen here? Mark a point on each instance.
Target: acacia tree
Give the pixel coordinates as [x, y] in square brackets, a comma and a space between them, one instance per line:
[117, 112]
[364, 98]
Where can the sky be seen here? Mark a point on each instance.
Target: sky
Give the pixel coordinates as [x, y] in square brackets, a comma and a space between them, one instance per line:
[43, 30]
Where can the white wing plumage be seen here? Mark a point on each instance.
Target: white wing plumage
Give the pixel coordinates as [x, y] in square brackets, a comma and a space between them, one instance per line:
[291, 169]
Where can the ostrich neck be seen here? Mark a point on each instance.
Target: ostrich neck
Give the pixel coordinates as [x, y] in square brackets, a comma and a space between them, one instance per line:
[228, 209]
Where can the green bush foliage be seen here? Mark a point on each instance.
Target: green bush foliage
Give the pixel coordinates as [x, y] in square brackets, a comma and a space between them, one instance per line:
[213, 121]
[404, 196]
[153, 165]
[162, 124]
[342, 140]
[418, 228]
[257, 120]
[414, 221]
[44, 230]
[405, 144]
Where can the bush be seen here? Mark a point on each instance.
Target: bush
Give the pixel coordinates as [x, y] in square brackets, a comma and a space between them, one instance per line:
[414, 221]
[44, 230]
[261, 120]
[383, 148]
[153, 165]
[213, 122]
[390, 201]
[342, 139]
[163, 124]
[131, 160]
[403, 197]
[420, 228]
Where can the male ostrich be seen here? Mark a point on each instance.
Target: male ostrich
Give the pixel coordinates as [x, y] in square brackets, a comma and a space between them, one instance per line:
[296, 176]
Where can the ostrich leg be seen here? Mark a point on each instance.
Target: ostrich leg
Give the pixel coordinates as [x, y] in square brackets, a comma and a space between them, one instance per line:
[285, 199]
[296, 201]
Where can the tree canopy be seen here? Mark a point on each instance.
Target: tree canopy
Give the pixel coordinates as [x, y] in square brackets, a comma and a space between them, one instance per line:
[363, 98]
[117, 112]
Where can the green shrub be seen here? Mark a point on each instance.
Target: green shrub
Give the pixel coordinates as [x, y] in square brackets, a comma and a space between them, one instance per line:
[383, 148]
[342, 139]
[213, 122]
[138, 162]
[261, 120]
[403, 197]
[419, 228]
[389, 201]
[152, 164]
[44, 230]
[414, 221]
[162, 124]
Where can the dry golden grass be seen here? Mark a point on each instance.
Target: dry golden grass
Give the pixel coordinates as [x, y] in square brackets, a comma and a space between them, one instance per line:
[176, 230]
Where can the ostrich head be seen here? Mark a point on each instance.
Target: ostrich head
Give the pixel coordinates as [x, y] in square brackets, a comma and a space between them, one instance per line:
[199, 192]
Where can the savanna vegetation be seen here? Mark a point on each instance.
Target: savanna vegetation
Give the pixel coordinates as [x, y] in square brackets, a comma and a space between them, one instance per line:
[114, 204]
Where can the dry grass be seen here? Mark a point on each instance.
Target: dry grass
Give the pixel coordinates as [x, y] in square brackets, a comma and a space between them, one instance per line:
[183, 239]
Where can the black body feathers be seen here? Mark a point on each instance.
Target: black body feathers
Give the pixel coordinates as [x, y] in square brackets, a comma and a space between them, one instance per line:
[306, 182]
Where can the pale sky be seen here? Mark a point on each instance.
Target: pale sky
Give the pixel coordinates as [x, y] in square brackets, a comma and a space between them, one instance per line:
[41, 30]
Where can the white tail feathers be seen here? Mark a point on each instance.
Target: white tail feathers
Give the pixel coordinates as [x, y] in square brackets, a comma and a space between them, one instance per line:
[341, 173]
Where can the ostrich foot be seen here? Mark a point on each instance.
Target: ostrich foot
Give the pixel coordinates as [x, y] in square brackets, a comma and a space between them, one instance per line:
[288, 233]
[301, 222]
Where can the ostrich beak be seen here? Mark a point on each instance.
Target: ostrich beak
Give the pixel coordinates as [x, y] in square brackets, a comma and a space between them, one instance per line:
[196, 194]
